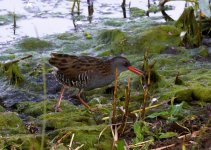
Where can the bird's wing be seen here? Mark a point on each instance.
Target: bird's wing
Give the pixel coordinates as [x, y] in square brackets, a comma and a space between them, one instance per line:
[73, 66]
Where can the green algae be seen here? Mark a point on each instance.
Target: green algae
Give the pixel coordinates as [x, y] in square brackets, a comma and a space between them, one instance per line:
[158, 38]
[137, 12]
[87, 35]
[34, 44]
[11, 123]
[12, 72]
[76, 45]
[154, 8]
[67, 36]
[8, 18]
[6, 57]
[113, 22]
[168, 7]
[114, 39]
[99, 47]
[111, 36]
[134, 28]
[5, 19]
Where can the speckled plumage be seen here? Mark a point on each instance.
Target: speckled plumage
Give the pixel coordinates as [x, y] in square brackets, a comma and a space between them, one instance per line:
[87, 73]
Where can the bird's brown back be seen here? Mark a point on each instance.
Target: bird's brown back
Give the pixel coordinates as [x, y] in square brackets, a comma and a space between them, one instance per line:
[72, 67]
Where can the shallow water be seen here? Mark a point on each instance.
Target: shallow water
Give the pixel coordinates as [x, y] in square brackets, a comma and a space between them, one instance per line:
[42, 17]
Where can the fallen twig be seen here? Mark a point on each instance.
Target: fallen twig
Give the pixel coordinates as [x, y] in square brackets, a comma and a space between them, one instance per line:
[17, 60]
[71, 141]
[150, 107]
[140, 144]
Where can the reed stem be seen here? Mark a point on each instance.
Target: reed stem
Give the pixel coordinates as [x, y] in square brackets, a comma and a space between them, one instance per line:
[44, 106]
[115, 98]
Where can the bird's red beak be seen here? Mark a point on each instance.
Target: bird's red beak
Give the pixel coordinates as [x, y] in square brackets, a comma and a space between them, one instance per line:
[135, 70]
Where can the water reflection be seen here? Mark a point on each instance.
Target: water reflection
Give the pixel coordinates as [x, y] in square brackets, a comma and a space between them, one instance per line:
[90, 10]
[124, 12]
[124, 9]
[14, 23]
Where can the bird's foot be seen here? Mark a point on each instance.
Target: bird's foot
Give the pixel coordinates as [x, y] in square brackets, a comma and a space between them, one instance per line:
[57, 108]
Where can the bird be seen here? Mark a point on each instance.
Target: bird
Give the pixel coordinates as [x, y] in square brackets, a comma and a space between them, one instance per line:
[86, 72]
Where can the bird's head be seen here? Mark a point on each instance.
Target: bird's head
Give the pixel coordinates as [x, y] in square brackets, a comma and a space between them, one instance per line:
[122, 64]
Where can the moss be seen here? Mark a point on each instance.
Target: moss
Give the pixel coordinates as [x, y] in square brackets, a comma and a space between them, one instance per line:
[158, 38]
[78, 121]
[20, 141]
[184, 95]
[36, 108]
[202, 94]
[88, 135]
[137, 12]
[178, 81]
[1, 109]
[199, 94]
[91, 140]
[10, 123]
[154, 77]
[34, 44]
[68, 118]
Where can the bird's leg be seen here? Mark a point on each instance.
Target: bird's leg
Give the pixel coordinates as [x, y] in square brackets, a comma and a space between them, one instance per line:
[82, 101]
[57, 106]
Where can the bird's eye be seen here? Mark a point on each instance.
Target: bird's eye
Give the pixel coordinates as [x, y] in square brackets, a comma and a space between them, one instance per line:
[126, 64]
